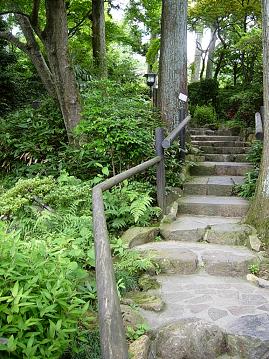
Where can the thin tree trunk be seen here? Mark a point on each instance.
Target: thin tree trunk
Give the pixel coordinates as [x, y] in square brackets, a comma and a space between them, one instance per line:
[259, 211]
[33, 51]
[56, 42]
[173, 58]
[98, 37]
[197, 57]
[211, 51]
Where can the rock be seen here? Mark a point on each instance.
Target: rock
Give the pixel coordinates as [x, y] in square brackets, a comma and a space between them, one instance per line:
[189, 339]
[252, 278]
[248, 336]
[176, 261]
[146, 301]
[147, 282]
[139, 349]
[231, 233]
[263, 283]
[216, 314]
[258, 281]
[254, 243]
[131, 317]
[171, 213]
[136, 236]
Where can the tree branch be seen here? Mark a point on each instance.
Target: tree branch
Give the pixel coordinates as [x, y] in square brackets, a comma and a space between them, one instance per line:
[35, 11]
[14, 40]
[73, 30]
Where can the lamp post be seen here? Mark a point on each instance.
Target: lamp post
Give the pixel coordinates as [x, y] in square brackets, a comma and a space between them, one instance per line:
[151, 78]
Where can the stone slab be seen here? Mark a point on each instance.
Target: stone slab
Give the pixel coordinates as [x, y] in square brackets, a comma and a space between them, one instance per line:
[183, 298]
[214, 143]
[139, 235]
[224, 150]
[214, 138]
[220, 168]
[225, 157]
[186, 257]
[213, 206]
[192, 228]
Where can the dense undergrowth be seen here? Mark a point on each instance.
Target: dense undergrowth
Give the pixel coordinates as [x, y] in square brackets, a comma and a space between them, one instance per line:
[48, 291]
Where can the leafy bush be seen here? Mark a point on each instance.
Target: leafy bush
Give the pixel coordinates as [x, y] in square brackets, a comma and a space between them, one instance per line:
[241, 103]
[204, 92]
[204, 115]
[247, 189]
[40, 305]
[255, 153]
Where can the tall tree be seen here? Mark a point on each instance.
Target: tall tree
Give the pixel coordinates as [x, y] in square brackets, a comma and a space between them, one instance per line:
[259, 210]
[197, 57]
[99, 37]
[47, 47]
[211, 51]
[173, 58]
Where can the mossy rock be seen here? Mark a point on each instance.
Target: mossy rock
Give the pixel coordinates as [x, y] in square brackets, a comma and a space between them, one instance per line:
[146, 301]
[146, 282]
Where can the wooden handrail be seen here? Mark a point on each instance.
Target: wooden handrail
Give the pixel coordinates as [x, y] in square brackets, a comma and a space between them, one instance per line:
[258, 126]
[167, 142]
[112, 334]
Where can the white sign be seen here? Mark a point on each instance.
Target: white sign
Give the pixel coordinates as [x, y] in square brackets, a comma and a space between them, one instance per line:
[183, 97]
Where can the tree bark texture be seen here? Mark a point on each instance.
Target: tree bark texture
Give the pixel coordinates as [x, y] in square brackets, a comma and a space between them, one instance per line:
[211, 51]
[197, 58]
[173, 58]
[259, 211]
[54, 65]
[99, 37]
[56, 42]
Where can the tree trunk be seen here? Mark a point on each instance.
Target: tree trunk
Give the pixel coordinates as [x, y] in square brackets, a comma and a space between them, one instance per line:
[173, 58]
[98, 37]
[211, 51]
[55, 38]
[259, 210]
[33, 51]
[197, 57]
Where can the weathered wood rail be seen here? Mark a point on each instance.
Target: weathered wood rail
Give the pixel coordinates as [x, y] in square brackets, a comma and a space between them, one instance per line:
[259, 116]
[112, 334]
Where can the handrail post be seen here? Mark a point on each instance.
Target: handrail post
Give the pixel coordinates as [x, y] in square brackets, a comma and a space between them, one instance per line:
[113, 341]
[182, 135]
[161, 198]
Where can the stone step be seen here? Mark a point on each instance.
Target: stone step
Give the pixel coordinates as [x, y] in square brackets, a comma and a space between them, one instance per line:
[220, 143]
[208, 132]
[224, 150]
[212, 185]
[187, 258]
[213, 206]
[218, 230]
[220, 169]
[215, 138]
[236, 310]
[225, 158]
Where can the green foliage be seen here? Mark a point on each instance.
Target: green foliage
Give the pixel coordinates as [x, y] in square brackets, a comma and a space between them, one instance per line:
[254, 269]
[204, 115]
[203, 93]
[240, 104]
[255, 153]
[40, 305]
[137, 332]
[247, 189]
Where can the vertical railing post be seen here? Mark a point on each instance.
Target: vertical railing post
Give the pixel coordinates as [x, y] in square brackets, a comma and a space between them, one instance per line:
[161, 198]
[112, 334]
[182, 135]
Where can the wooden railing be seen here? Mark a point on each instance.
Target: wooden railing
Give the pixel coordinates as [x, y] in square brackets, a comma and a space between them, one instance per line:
[112, 334]
[259, 127]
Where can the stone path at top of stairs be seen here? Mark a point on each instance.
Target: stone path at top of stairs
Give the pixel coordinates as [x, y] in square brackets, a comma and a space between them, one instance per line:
[203, 259]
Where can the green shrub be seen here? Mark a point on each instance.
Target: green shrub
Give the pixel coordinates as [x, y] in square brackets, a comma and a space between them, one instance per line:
[255, 153]
[39, 303]
[204, 92]
[204, 115]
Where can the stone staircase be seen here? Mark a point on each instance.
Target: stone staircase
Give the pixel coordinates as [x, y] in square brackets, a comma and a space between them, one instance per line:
[209, 309]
